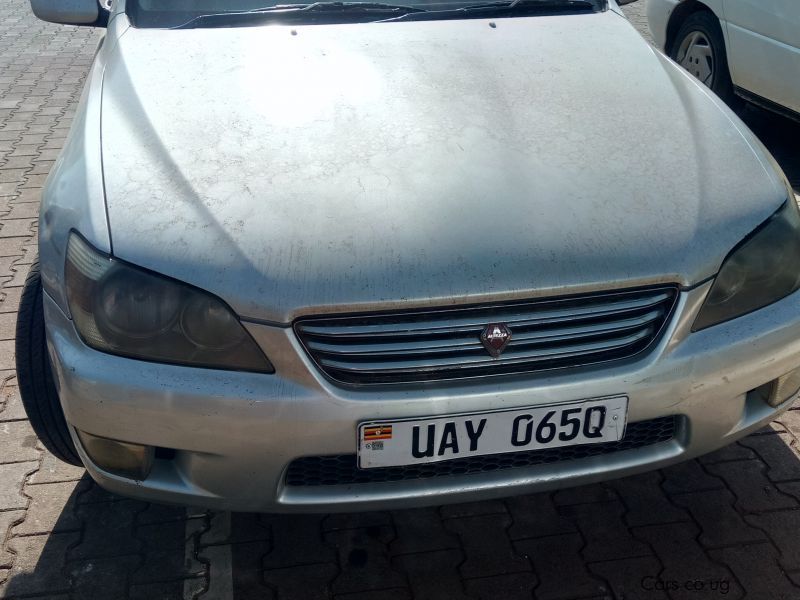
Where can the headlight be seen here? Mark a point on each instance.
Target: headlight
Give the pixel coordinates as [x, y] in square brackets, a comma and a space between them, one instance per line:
[125, 310]
[761, 270]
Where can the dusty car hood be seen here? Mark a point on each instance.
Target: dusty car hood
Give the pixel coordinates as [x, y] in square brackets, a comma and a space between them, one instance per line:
[369, 166]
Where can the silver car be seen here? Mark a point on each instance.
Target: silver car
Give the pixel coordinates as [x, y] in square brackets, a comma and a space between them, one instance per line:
[354, 255]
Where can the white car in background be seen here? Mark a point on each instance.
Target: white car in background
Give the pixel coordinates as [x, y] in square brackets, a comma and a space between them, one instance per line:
[738, 48]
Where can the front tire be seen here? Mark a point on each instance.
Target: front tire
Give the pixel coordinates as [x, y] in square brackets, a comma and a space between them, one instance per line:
[699, 47]
[34, 374]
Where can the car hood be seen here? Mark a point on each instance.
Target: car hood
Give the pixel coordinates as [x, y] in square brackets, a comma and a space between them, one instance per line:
[373, 166]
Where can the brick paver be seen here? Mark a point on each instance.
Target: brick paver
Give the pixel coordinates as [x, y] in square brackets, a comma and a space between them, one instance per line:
[724, 526]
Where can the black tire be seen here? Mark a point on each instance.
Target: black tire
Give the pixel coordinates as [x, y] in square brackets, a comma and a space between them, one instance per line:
[35, 377]
[706, 23]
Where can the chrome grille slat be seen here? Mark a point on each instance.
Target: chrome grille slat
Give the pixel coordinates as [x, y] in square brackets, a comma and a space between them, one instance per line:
[445, 344]
[404, 325]
[470, 343]
[482, 359]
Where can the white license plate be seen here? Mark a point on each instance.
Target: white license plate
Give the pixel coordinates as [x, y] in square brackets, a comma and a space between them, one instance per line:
[414, 441]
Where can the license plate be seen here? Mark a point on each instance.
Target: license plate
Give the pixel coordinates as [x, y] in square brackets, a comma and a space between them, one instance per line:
[401, 442]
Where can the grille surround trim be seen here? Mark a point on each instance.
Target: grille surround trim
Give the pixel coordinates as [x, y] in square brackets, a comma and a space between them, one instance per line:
[357, 349]
[342, 469]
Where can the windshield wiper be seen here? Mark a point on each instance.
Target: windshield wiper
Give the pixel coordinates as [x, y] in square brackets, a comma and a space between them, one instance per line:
[502, 8]
[327, 11]
[349, 12]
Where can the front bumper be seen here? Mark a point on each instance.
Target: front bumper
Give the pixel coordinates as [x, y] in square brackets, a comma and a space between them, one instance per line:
[236, 433]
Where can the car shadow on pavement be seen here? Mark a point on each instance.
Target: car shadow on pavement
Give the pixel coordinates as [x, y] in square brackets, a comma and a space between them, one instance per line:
[715, 527]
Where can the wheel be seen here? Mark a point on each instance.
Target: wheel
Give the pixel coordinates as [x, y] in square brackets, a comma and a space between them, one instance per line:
[699, 47]
[35, 377]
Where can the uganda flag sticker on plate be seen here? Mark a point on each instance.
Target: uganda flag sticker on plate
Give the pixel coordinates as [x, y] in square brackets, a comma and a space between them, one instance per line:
[377, 432]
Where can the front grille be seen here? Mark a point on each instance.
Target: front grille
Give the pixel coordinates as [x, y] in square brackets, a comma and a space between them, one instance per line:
[446, 344]
[343, 469]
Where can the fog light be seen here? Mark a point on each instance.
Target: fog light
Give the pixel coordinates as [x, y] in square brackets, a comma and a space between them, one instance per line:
[120, 458]
[778, 391]
[786, 387]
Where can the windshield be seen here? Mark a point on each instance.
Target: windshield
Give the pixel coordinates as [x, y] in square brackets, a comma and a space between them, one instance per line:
[229, 13]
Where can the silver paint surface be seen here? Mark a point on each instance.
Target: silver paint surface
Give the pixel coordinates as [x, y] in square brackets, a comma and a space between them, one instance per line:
[66, 11]
[366, 166]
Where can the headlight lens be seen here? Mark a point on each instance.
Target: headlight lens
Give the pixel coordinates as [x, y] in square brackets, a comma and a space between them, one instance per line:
[761, 270]
[135, 305]
[125, 310]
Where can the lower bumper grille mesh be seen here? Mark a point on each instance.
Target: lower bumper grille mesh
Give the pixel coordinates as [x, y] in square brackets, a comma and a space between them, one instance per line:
[343, 470]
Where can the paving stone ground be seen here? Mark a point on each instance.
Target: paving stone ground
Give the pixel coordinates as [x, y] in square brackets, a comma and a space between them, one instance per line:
[724, 526]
